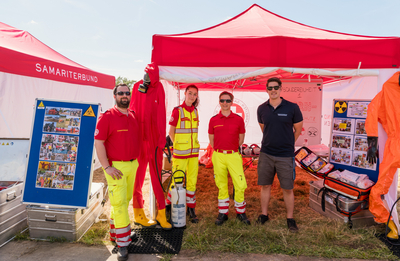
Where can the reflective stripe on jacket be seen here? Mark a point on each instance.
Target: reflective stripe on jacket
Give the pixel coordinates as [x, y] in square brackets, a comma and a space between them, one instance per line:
[186, 142]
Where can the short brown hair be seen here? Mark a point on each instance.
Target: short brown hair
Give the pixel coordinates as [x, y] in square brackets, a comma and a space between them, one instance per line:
[274, 79]
[119, 85]
[227, 93]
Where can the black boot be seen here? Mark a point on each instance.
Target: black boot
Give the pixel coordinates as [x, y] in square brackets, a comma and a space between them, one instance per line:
[192, 215]
[221, 219]
[243, 218]
[122, 254]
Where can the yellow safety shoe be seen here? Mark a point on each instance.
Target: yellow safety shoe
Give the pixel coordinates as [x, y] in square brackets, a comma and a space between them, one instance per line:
[141, 219]
[162, 220]
[393, 233]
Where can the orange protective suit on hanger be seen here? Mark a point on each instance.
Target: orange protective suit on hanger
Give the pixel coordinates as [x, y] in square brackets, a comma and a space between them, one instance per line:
[385, 109]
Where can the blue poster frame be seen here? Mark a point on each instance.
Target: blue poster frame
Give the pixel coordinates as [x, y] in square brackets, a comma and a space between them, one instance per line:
[372, 174]
[78, 160]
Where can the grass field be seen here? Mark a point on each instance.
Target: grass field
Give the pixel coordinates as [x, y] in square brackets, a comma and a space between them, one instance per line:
[318, 236]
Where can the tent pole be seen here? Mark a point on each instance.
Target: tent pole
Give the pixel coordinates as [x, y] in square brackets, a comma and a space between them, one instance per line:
[178, 94]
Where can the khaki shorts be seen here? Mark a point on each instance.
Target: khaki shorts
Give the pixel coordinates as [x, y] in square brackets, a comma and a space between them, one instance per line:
[284, 167]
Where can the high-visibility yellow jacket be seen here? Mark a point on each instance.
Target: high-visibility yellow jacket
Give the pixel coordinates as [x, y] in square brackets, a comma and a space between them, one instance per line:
[186, 143]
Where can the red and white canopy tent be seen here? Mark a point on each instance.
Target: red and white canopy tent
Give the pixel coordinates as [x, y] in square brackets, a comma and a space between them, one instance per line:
[241, 53]
[30, 69]
[258, 42]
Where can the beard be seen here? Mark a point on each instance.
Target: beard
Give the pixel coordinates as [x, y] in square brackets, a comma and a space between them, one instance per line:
[123, 103]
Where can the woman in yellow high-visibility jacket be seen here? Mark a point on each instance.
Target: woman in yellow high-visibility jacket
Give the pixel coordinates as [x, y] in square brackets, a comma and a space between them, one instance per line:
[183, 132]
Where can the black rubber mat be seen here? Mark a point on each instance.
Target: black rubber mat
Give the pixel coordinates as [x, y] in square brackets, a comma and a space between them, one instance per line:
[393, 245]
[155, 241]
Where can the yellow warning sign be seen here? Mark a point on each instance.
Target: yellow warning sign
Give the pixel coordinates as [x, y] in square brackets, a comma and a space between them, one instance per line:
[41, 105]
[89, 112]
[7, 143]
[340, 106]
[2, 144]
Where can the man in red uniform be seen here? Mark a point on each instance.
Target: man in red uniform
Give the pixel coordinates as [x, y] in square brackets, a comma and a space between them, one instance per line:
[117, 139]
[226, 132]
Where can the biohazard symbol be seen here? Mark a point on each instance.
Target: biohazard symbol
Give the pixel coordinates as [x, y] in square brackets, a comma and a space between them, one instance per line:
[41, 105]
[340, 106]
[89, 112]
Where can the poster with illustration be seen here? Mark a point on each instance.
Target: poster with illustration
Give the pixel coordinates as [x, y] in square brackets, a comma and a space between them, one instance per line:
[59, 148]
[357, 109]
[62, 120]
[341, 156]
[52, 175]
[360, 127]
[61, 154]
[342, 141]
[348, 144]
[361, 143]
[345, 126]
[360, 161]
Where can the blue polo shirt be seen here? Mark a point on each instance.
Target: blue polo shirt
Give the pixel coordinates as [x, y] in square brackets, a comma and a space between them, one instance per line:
[278, 135]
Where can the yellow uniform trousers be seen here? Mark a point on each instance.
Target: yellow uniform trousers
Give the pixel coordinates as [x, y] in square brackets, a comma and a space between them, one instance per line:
[233, 163]
[191, 167]
[120, 192]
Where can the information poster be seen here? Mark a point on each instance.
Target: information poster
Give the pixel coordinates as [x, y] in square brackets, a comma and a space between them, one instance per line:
[349, 146]
[60, 158]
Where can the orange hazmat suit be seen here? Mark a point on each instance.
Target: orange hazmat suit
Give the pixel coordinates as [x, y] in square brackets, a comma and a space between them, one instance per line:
[385, 109]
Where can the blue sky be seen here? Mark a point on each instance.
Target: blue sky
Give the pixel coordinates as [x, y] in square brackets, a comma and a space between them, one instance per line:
[114, 37]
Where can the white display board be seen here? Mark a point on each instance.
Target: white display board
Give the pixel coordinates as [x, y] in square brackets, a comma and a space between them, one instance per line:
[13, 156]
[308, 95]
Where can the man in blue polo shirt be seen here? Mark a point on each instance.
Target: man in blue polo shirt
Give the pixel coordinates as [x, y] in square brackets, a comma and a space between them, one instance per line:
[281, 122]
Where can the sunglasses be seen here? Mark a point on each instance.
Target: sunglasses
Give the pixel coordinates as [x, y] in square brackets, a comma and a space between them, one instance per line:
[122, 93]
[276, 87]
[225, 100]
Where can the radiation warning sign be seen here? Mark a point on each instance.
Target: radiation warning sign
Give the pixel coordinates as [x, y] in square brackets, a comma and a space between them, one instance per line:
[340, 106]
[89, 112]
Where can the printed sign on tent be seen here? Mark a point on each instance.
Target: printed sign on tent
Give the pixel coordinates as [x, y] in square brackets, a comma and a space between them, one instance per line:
[59, 167]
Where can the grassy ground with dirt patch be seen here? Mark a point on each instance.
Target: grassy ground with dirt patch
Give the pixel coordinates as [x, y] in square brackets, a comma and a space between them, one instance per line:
[318, 235]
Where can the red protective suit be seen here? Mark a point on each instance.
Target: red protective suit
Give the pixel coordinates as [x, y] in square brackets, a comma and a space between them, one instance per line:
[384, 108]
[150, 111]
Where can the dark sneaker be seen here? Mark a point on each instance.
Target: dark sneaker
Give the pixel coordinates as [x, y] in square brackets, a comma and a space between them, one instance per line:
[221, 219]
[262, 219]
[192, 215]
[291, 223]
[243, 218]
[122, 254]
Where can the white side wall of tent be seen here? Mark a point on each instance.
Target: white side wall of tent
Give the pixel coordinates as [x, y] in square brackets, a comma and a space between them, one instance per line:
[355, 88]
[17, 100]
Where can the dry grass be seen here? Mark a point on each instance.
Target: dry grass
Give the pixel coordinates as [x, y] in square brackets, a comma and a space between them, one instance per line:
[318, 235]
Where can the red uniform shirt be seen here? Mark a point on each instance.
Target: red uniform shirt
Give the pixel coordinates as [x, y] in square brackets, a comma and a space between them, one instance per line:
[226, 131]
[121, 134]
[173, 121]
